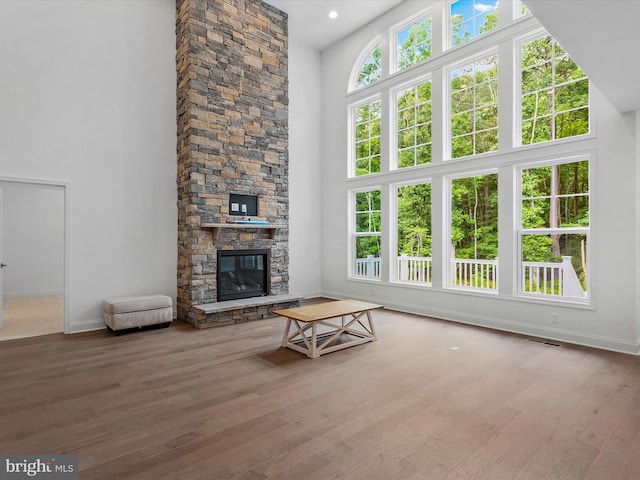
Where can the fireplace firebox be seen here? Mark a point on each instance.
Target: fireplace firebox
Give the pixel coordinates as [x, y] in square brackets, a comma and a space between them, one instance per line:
[243, 274]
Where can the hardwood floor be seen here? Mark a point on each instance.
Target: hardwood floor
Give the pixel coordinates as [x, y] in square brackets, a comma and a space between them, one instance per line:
[228, 403]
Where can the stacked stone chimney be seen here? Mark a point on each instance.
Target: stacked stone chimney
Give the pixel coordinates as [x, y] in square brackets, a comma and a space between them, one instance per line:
[232, 108]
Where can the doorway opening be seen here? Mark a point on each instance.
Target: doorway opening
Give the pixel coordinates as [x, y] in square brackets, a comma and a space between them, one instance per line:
[33, 236]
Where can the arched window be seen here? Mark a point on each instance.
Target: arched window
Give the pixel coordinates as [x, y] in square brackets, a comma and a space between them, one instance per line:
[368, 67]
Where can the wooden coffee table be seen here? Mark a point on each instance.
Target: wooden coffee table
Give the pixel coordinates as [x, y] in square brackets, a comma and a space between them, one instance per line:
[343, 324]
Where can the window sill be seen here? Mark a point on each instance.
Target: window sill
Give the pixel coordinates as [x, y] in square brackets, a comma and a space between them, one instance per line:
[492, 294]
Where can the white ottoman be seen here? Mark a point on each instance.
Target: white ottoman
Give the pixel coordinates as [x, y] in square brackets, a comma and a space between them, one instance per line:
[122, 313]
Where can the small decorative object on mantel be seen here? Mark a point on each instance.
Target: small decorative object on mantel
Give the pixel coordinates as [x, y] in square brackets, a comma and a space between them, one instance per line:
[249, 221]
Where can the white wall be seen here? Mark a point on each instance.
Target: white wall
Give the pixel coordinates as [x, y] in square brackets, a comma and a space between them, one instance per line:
[87, 96]
[32, 239]
[611, 320]
[636, 120]
[305, 193]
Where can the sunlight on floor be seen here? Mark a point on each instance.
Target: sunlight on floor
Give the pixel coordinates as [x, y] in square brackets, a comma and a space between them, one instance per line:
[32, 316]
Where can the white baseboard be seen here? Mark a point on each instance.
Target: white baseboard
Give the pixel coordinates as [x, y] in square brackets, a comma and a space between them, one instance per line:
[91, 325]
[86, 326]
[312, 294]
[559, 335]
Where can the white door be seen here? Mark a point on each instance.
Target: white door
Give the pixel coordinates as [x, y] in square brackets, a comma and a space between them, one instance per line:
[2, 265]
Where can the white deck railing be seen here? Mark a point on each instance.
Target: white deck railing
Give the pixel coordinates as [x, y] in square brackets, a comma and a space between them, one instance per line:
[414, 269]
[368, 267]
[554, 279]
[475, 273]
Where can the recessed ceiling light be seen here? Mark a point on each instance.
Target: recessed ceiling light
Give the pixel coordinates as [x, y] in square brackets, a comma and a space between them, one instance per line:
[333, 14]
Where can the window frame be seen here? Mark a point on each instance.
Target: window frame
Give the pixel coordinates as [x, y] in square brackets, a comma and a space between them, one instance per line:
[375, 42]
[448, 281]
[352, 168]
[354, 234]
[517, 11]
[394, 123]
[517, 138]
[394, 273]
[448, 44]
[448, 146]
[394, 67]
[520, 231]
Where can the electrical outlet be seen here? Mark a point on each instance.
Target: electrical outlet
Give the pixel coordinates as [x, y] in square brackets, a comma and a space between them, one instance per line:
[554, 318]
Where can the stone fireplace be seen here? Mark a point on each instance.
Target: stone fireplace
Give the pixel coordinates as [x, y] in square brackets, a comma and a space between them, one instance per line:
[232, 116]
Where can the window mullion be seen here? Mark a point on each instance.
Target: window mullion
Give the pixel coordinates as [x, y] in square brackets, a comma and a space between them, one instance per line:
[506, 12]
[439, 129]
[386, 43]
[387, 125]
[507, 97]
[440, 221]
[386, 237]
[438, 28]
[508, 231]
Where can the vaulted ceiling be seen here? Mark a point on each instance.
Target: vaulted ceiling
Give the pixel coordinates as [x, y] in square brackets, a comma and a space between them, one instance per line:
[604, 40]
[309, 20]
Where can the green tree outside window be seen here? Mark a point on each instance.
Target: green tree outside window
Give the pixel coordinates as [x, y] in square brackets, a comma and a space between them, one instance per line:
[371, 68]
[414, 125]
[474, 108]
[555, 93]
[367, 138]
[414, 43]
